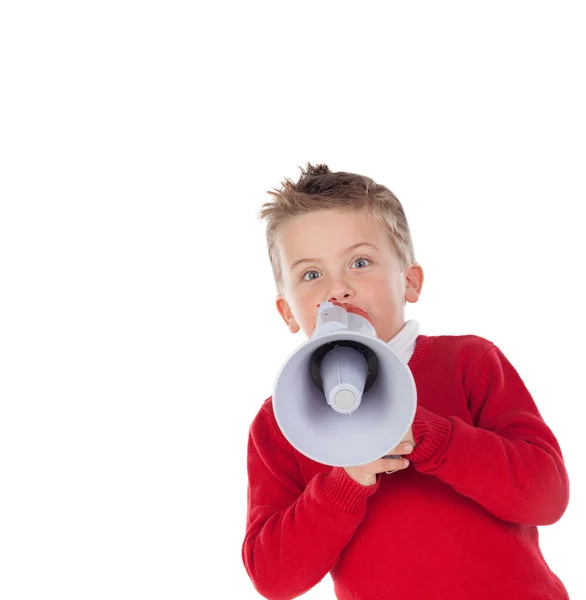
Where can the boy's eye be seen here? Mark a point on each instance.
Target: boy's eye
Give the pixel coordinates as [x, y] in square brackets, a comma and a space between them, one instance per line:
[364, 262]
[306, 278]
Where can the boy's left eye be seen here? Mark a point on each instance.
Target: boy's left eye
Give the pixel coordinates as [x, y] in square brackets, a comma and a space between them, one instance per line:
[365, 262]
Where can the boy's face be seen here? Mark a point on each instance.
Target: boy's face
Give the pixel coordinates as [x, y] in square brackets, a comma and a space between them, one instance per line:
[347, 256]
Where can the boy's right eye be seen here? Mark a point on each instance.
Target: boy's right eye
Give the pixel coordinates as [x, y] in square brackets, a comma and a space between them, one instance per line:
[306, 278]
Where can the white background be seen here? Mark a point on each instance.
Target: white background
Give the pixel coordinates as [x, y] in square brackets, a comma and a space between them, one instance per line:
[138, 330]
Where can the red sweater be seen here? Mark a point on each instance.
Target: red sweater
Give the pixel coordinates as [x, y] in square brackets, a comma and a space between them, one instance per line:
[459, 523]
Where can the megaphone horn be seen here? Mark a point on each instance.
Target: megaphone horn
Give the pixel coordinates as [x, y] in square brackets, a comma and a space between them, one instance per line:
[344, 398]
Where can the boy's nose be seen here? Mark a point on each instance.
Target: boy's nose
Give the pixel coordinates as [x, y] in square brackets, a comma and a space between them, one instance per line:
[341, 295]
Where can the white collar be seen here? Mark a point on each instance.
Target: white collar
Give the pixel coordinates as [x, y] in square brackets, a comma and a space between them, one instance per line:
[403, 343]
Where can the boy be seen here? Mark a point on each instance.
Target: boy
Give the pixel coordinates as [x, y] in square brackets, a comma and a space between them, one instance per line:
[459, 519]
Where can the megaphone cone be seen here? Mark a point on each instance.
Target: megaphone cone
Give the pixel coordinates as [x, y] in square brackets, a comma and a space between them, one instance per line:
[344, 398]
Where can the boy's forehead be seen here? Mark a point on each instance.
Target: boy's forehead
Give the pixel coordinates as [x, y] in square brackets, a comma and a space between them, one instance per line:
[324, 234]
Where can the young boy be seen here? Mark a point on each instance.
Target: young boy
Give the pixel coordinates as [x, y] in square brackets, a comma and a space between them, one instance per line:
[459, 519]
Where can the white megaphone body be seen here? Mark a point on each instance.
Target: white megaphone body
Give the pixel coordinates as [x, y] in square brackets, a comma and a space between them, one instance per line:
[344, 398]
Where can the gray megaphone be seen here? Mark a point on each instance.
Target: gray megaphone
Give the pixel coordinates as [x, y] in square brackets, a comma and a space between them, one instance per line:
[344, 398]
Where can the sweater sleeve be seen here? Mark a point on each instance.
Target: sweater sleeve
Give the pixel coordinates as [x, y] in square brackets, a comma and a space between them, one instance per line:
[294, 533]
[509, 461]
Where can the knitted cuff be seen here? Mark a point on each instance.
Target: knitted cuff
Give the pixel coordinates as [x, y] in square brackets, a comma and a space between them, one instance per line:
[343, 491]
[431, 434]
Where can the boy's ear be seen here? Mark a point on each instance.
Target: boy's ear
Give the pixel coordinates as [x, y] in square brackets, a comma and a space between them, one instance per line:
[413, 282]
[285, 312]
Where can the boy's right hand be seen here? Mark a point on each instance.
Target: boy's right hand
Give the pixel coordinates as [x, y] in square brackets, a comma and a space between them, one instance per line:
[366, 474]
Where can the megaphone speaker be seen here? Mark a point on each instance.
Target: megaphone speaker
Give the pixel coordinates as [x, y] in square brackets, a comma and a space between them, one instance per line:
[344, 398]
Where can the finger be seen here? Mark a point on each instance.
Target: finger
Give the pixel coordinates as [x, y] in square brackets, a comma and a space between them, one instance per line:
[389, 464]
[403, 448]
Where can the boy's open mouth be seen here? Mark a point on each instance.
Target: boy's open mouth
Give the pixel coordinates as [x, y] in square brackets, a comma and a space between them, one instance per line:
[351, 308]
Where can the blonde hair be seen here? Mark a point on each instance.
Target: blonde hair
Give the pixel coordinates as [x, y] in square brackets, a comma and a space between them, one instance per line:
[318, 188]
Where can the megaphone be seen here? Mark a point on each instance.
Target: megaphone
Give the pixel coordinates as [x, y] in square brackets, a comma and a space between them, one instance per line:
[344, 398]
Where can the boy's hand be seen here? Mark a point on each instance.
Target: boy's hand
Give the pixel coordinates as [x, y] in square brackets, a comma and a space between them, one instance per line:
[366, 474]
[409, 437]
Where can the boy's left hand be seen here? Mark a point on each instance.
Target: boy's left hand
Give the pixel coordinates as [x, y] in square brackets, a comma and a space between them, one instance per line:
[408, 437]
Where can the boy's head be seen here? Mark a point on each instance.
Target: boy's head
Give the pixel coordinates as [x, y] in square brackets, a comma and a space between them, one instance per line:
[342, 236]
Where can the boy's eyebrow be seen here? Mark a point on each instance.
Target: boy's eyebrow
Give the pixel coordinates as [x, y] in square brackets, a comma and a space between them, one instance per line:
[302, 260]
